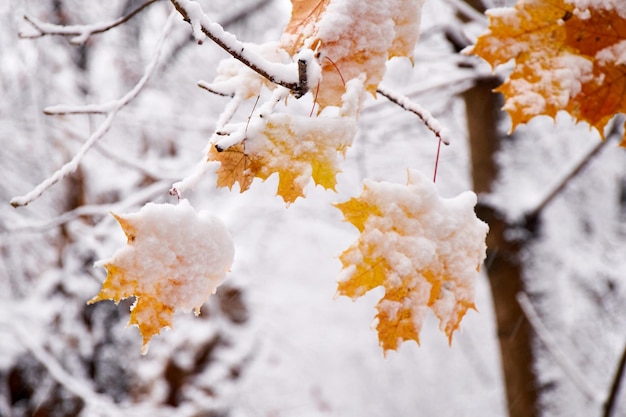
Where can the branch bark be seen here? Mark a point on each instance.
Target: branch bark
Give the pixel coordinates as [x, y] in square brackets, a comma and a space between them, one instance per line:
[504, 264]
[79, 33]
[279, 74]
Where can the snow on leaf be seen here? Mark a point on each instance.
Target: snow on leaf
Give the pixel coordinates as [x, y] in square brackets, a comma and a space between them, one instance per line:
[352, 37]
[568, 56]
[423, 249]
[174, 259]
[298, 148]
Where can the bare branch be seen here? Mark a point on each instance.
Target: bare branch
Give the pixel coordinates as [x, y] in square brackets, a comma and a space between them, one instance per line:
[554, 349]
[290, 76]
[110, 109]
[431, 123]
[79, 33]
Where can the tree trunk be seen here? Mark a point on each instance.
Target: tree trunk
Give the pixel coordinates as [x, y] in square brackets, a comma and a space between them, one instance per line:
[503, 264]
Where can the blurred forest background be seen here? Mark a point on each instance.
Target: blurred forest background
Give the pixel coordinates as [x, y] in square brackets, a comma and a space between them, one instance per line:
[550, 329]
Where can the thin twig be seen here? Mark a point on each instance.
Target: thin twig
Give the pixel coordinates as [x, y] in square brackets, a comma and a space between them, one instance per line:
[560, 186]
[611, 401]
[139, 197]
[200, 24]
[431, 123]
[544, 335]
[80, 33]
[211, 89]
[113, 108]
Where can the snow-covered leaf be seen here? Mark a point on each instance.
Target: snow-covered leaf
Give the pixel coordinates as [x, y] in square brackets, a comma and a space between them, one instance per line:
[174, 259]
[423, 249]
[569, 55]
[352, 38]
[297, 148]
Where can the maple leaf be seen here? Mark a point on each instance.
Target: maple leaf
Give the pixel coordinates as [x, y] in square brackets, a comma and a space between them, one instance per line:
[352, 38]
[174, 259]
[297, 148]
[567, 57]
[423, 249]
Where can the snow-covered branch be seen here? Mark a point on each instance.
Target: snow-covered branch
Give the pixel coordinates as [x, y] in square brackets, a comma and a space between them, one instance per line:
[110, 108]
[574, 171]
[79, 33]
[291, 76]
[557, 353]
[431, 123]
[102, 210]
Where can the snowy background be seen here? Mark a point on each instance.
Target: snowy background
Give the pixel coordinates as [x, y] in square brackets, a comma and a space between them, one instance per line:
[275, 341]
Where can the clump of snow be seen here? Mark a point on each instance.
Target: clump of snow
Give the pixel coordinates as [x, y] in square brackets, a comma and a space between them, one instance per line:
[614, 54]
[582, 7]
[561, 79]
[174, 252]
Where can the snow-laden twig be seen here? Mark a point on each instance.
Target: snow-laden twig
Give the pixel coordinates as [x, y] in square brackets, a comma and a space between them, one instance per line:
[79, 33]
[572, 173]
[227, 136]
[292, 76]
[431, 123]
[139, 197]
[211, 89]
[560, 357]
[152, 173]
[110, 109]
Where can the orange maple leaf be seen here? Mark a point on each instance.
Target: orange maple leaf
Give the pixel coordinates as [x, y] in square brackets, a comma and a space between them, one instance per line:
[423, 249]
[360, 42]
[174, 259]
[297, 148]
[566, 58]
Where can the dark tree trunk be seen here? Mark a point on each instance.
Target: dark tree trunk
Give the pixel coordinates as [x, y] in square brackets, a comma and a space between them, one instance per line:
[503, 264]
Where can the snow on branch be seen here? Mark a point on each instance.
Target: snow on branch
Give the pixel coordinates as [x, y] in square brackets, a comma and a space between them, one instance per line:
[79, 33]
[431, 123]
[110, 109]
[560, 357]
[557, 189]
[291, 76]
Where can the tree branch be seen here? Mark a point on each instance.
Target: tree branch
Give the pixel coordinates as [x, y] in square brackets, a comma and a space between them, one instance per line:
[110, 109]
[577, 169]
[611, 402]
[431, 123]
[80, 33]
[579, 380]
[290, 76]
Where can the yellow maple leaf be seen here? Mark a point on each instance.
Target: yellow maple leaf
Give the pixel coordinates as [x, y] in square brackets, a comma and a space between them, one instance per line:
[174, 259]
[298, 148]
[423, 249]
[366, 35]
[566, 58]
